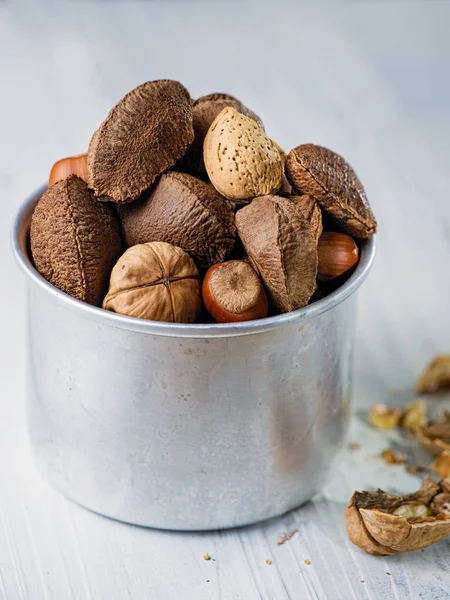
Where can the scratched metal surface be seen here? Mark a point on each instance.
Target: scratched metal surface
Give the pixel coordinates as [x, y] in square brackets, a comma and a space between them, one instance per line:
[368, 79]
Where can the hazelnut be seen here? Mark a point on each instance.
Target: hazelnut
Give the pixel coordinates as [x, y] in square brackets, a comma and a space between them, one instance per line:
[155, 281]
[232, 291]
[143, 135]
[186, 212]
[384, 417]
[241, 161]
[75, 240]
[338, 253]
[328, 178]
[205, 110]
[73, 165]
[282, 247]
[385, 524]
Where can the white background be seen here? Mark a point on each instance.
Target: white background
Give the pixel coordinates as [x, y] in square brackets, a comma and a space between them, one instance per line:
[371, 80]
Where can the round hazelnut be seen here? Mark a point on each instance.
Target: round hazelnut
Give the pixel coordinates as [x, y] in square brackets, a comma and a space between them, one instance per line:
[155, 281]
[143, 136]
[232, 292]
[338, 253]
[73, 165]
[75, 240]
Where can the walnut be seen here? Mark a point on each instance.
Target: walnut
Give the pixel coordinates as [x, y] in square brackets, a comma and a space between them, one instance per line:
[384, 417]
[155, 281]
[385, 524]
[435, 435]
[330, 180]
[436, 375]
[75, 240]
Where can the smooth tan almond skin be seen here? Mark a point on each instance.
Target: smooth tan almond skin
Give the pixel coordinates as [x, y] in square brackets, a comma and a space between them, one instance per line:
[338, 253]
[72, 165]
[241, 161]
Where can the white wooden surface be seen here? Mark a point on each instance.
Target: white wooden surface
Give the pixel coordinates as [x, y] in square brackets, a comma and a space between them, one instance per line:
[369, 79]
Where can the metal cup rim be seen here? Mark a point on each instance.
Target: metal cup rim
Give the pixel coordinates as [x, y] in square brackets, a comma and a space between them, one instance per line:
[19, 240]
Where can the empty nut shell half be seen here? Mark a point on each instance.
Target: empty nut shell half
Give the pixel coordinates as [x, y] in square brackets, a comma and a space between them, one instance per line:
[155, 281]
[75, 240]
[241, 161]
[143, 135]
[435, 435]
[282, 247]
[385, 524]
[233, 292]
[205, 110]
[329, 179]
[186, 212]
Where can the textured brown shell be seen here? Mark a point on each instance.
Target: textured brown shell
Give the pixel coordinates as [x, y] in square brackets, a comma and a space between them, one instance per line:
[436, 375]
[155, 281]
[205, 110]
[75, 240]
[435, 435]
[143, 135]
[241, 161]
[371, 526]
[310, 211]
[329, 179]
[186, 212]
[282, 247]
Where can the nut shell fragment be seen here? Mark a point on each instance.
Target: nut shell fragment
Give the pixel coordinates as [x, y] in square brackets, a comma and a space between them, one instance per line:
[326, 176]
[384, 417]
[241, 161]
[282, 247]
[143, 135]
[155, 281]
[441, 465]
[186, 212]
[435, 435]
[75, 240]
[436, 375]
[376, 523]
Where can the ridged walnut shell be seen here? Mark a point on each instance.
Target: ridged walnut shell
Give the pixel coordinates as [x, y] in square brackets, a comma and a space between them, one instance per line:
[282, 247]
[328, 178]
[241, 161]
[205, 110]
[186, 212]
[155, 281]
[435, 435]
[143, 135]
[372, 526]
[75, 240]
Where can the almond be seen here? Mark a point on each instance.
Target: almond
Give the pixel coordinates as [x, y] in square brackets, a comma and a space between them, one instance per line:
[241, 161]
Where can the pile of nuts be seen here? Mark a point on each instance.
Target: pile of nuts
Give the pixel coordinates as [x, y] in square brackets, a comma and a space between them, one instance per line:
[180, 204]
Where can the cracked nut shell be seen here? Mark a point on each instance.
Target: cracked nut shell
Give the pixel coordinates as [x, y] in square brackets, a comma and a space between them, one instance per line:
[155, 281]
[205, 110]
[436, 375]
[186, 212]
[143, 135]
[282, 247]
[385, 524]
[435, 435]
[75, 240]
[241, 161]
[328, 178]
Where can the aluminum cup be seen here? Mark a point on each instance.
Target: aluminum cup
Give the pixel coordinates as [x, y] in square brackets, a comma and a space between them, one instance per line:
[187, 427]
